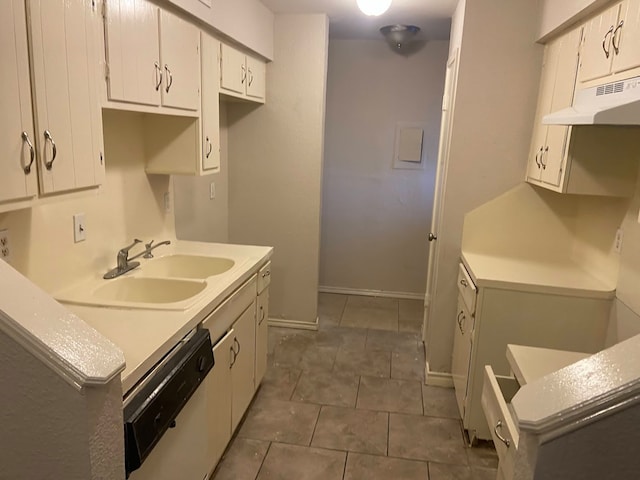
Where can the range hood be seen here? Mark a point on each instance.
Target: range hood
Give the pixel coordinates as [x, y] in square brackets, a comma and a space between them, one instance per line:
[616, 103]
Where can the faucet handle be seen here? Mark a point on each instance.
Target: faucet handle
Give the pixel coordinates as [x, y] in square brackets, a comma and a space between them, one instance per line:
[148, 245]
[126, 249]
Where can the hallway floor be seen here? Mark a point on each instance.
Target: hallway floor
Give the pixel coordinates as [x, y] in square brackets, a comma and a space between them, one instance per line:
[348, 402]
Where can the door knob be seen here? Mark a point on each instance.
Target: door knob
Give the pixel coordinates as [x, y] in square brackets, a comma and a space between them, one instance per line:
[432, 237]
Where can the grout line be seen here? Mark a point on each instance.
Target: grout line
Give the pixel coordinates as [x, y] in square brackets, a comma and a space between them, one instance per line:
[358, 391]
[388, 433]
[315, 426]
[346, 459]
[263, 459]
[296, 385]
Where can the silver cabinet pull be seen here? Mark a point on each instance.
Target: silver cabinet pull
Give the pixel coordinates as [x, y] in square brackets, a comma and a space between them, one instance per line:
[616, 46]
[232, 352]
[544, 165]
[266, 274]
[496, 429]
[32, 152]
[604, 42]
[158, 76]
[537, 161]
[210, 147]
[250, 77]
[48, 137]
[432, 237]
[460, 321]
[464, 283]
[262, 314]
[236, 342]
[169, 77]
[244, 74]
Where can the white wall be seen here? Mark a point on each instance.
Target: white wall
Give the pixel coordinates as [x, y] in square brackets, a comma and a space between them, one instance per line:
[275, 165]
[199, 217]
[499, 68]
[129, 205]
[375, 218]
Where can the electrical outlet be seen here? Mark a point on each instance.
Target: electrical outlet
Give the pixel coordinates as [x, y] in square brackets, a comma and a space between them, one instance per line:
[212, 191]
[617, 245]
[5, 246]
[79, 228]
[167, 202]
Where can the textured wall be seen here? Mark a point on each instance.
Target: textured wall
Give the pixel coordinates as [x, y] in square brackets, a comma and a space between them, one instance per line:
[376, 219]
[275, 165]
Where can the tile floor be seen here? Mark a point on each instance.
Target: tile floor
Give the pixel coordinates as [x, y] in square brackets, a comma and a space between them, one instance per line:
[348, 403]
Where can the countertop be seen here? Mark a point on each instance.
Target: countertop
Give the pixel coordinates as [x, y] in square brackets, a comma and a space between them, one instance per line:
[144, 335]
[557, 277]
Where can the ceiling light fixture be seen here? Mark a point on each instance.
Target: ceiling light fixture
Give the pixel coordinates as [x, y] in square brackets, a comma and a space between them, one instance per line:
[374, 7]
[399, 36]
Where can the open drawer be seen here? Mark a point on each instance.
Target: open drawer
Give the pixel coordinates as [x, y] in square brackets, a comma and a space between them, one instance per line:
[497, 393]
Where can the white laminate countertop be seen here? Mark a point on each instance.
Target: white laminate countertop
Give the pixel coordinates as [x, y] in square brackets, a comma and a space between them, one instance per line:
[146, 335]
[530, 363]
[562, 277]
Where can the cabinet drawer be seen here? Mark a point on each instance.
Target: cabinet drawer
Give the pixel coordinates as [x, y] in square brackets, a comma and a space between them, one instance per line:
[264, 277]
[467, 288]
[497, 392]
[219, 321]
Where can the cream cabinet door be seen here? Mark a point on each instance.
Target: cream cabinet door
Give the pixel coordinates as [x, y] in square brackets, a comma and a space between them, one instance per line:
[626, 41]
[554, 155]
[133, 51]
[460, 361]
[256, 73]
[597, 48]
[65, 62]
[218, 390]
[243, 364]
[18, 174]
[262, 335]
[210, 108]
[233, 71]
[180, 55]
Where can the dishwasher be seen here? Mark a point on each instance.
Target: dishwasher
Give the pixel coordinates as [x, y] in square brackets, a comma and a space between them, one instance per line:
[165, 415]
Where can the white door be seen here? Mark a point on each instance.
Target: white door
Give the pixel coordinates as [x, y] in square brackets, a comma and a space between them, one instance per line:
[17, 160]
[262, 334]
[461, 357]
[233, 71]
[597, 49]
[256, 73]
[210, 108]
[627, 37]
[243, 364]
[441, 175]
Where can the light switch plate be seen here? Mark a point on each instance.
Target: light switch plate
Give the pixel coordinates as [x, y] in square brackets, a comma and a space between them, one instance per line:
[617, 245]
[79, 228]
[5, 246]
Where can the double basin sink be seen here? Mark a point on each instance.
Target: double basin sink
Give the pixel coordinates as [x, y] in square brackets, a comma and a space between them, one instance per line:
[168, 282]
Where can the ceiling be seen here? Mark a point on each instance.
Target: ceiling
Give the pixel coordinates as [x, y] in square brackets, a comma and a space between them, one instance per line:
[347, 21]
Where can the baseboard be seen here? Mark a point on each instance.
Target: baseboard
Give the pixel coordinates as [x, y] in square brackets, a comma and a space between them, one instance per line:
[371, 293]
[437, 379]
[288, 323]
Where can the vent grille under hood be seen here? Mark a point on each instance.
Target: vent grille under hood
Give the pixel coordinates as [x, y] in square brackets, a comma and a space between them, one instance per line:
[615, 103]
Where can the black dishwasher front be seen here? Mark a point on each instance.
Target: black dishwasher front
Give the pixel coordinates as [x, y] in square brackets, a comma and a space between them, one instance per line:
[154, 409]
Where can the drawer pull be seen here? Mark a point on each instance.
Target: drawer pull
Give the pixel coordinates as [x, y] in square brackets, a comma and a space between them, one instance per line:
[464, 283]
[460, 320]
[504, 440]
[266, 274]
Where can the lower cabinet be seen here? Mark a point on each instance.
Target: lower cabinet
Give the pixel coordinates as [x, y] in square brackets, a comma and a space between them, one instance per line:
[262, 317]
[243, 354]
[461, 354]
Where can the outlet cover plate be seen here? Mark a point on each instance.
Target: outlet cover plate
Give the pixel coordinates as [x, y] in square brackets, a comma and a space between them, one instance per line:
[5, 246]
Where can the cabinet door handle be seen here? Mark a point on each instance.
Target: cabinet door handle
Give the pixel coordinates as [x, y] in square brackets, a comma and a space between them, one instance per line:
[460, 321]
[616, 46]
[49, 137]
[266, 274]
[604, 42]
[538, 161]
[464, 283]
[169, 78]
[497, 430]
[32, 152]
[210, 147]
[158, 76]
[236, 342]
[233, 357]
[250, 77]
[262, 314]
[244, 74]
[544, 165]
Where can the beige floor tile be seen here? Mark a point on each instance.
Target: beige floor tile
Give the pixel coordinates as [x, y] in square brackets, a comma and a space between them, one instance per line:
[381, 340]
[371, 312]
[354, 430]
[441, 471]
[327, 388]
[344, 337]
[426, 438]
[408, 365]
[387, 395]
[280, 421]
[242, 460]
[373, 467]
[410, 315]
[363, 362]
[440, 402]
[279, 383]
[330, 308]
[483, 455]
[290, 462]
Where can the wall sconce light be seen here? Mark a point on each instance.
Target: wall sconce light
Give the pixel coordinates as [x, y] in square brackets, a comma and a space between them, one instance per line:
[374, 7]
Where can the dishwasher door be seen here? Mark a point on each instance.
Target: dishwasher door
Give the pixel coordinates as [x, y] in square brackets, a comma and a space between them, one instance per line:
[181, 453]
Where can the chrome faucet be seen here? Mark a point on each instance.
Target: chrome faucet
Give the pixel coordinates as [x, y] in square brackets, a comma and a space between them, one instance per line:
[149, 247]
[124, 263]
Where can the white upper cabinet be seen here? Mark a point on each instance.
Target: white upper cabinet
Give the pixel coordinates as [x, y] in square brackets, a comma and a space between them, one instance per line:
[64, 71]
[18, 176]
[210, 108]
[611, 41]
[152, 56]
[241, 76]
